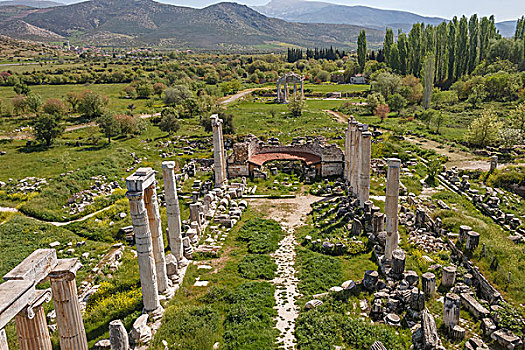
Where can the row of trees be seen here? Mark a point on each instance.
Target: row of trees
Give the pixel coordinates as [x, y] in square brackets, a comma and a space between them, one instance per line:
[331, 54]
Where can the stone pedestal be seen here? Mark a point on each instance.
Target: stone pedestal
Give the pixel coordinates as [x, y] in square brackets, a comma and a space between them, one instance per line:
[451, 308]
[118, 336]
[391, 206]
[472, 240]
[378, 223]
[370, 279]
[493, 163]
[428, 282]
[173, 213]
[398, 262]
[417, 300]
[152, 209]
[448, 276]
[463, 230]
[148, 278]
[70, 326]
[31, 324]
[364, 170]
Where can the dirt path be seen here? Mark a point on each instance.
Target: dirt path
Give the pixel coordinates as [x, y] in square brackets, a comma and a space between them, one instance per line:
[232, 98]
[460, 159]
[8, 210]
[291, 213]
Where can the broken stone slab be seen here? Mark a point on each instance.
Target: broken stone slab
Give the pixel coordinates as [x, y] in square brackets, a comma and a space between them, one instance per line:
[118, 336]
[140, 332]
[312, 304]
[393, 320]
[429, 331]
[103, 344]
[507, 339]
[473, 306]
[35, 267]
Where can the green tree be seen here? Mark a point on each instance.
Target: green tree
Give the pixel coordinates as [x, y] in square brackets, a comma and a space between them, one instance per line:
[451, 49]
[441, 52]
[158, 89]
[386, 83]
[361, 49]
[144, 90]
[462, 53]
[397, 102]
[439, 119]
[92, 105]
[387, 45]
[484, 130]
[55, 107]
[428, 80]
[427, 116]
[402, 46]
[108, 125]
[169, 121]
[474, 38]
[296, 106]
[477, 95]
[176, 95]
[21, 89]
[47, 128]
[414, 49]
[227, 123]
[33, 102]
[382, 111]
[373, 100]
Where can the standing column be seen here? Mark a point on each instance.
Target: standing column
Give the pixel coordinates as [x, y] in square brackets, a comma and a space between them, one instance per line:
[217, 151]
[3, 340]
[31, 324]
[346, 171]
[223, 151]
[278, 92]
[148, 278]
[70, 326]
[285, 91]
[364, 170]
[391, 206]
[302, 89]
[352, 155]
[357, 157]
[155, 227]
[173, 212]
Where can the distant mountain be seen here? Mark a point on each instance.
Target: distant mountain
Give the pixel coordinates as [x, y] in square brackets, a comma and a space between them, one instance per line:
[220, 26]
[324, 12]
[31, 3]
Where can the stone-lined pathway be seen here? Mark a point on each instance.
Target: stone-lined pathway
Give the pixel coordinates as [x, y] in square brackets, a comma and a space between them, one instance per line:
[286, 290]
[290, 213]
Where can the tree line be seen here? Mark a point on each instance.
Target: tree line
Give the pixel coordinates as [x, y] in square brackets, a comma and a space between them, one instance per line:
[331, 54]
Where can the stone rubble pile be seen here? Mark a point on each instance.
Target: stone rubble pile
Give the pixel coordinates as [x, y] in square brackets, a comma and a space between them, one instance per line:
[79, 201]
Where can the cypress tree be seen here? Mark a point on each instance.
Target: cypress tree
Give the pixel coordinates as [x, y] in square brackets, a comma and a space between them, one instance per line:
[451, 48]
[414, 50]
[361, 49]
[402, 46]
[462, 53]
[484, 36]
[441, 52]
[387, 45]
[473, 42]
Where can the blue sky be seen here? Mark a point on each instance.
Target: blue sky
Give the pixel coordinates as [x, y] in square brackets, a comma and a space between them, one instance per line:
[502, 9]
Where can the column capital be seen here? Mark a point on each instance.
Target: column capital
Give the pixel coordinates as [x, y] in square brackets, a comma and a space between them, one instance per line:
[66, 269]
[41, 297]
[135, 196]
[140, 180]
[169, 165]
[366, 134]
[393, 162]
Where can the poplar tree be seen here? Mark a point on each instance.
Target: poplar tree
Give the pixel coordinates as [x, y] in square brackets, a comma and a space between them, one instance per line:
[361, 49]
[462, 53]
[387, 45]
[451, 48]
[402, 46]
[414, 49]
[428, 79]
[484, 37]
[473, 28]
[441, 52]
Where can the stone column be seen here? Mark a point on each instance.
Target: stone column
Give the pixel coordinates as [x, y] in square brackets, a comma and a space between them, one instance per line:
[364, 174]
[428, 282]
[155, 227]
[278, 92]
[70, 326]
[118, 336]
[31, 324]
[223, 153]
[353, 155]
[346, 172]
[173, 212]
[302, 89]
[148, 278]
[451, 308]
[493, 163]
[448, 276]
[217, 150]
[391, 206]
[398, 262]
[3, 340]
[357, 157]
[285, 91]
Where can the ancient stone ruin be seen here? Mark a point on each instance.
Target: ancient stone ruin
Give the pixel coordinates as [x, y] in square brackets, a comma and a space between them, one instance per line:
[283, 81]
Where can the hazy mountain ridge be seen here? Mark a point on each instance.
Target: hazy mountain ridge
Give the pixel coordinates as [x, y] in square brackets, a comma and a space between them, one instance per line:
[31, 3]
[324, 12]
[149, 22]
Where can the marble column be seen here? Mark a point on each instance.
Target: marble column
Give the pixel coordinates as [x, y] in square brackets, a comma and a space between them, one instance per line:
[357, 157]
[31, 324]
[3, 340]
[302, 89]
[218, 152]
[173, 212]
[70, 326]
[148, 278]
[278, 92]
[493, 163]
[152, 208]
[391, 206]
[451, 308]
[223, 153]
[364, 169]
[348, 132]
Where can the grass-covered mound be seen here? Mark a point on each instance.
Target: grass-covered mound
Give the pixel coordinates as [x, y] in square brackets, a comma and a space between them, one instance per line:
[317, 272]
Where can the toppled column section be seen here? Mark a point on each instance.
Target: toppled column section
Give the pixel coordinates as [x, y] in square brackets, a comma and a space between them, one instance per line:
[69, 317]
[391, 206]
[219, 159]
[173, 213]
